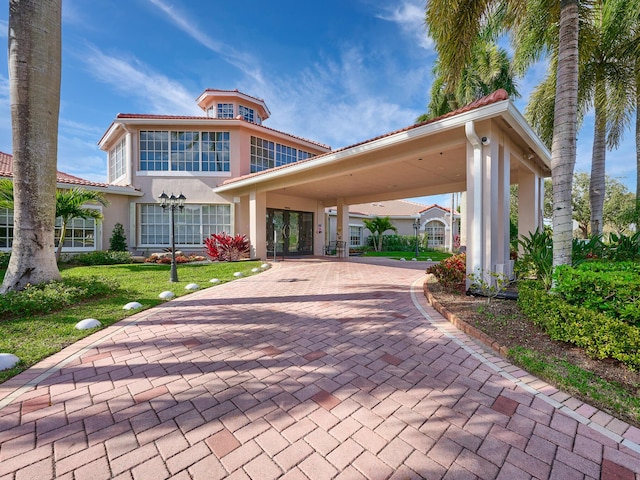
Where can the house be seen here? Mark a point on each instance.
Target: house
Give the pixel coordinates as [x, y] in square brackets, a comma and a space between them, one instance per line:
[83, 235]
[283, 191]
[433, 221]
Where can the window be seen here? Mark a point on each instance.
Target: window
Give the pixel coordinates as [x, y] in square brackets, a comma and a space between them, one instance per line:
[184, 151]
[435, 233]
[215, 151]
[355, 236]
[80, 234]
[225, 110]
[6, 228]
[117, 160]
[262, 154]
[248, 114]
[266, 154]
[193, 224]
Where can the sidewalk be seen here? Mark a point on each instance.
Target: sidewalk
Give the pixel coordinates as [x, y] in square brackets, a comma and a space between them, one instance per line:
[313, 369]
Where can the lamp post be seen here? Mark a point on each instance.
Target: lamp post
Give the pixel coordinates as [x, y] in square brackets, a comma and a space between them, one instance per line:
[172, 202]
[416, 227]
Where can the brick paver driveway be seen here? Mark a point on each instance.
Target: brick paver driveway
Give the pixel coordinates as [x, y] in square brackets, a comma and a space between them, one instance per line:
[313, 369]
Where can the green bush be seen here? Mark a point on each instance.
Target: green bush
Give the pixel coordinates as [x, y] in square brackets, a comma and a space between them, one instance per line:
[610, 288]
[600, 335]
[451, 272]
[100, 257]
[53, 296]
[399, 243]
[4, 259]
[118, 241]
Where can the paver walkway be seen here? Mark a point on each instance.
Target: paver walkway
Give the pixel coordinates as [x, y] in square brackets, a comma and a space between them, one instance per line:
[313, 369]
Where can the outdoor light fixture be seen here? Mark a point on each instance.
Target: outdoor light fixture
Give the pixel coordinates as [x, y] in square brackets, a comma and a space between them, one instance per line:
[416, 227]
[172, 202]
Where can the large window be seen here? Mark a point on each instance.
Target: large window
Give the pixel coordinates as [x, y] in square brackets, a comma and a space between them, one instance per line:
[193, 224]
[6, 228]
[186, 151]
[80, 235]
[117, 160]
[355, 236]
[266, 154]
[435, 233]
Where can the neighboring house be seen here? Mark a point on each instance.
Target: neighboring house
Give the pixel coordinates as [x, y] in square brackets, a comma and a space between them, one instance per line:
[193, 155]
[83, 235]
[434, 221]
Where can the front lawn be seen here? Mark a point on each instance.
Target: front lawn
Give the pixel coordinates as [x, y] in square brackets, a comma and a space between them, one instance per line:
[36, 336]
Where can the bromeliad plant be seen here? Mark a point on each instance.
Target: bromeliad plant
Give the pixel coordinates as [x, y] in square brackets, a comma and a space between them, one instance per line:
[227, 248]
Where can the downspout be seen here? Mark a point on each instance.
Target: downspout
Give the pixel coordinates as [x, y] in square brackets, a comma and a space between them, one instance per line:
[476, 228]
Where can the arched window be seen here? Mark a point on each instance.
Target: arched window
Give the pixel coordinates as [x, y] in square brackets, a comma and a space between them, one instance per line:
[435, 234]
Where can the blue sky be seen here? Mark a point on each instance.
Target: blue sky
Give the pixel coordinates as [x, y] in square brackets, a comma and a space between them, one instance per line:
[336, 71]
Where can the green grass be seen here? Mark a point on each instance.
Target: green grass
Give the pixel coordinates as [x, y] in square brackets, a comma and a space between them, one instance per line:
[39, 336]
[603, 394]
[434, 256]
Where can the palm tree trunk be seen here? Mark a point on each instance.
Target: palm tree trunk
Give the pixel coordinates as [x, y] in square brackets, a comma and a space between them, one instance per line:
[63, 234]
[637, 214]
[563, 148]
[596, 183]
[34, 89]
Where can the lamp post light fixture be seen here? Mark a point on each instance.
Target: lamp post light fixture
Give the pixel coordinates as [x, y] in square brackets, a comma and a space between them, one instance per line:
[416, 227]
[172, 202]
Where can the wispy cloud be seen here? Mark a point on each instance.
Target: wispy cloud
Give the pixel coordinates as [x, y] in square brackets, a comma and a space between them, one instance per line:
[409, 16]
[155, 91]
[4, 29]
[241, 60]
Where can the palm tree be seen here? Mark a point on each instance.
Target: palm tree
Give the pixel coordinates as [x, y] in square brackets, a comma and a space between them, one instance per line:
[70, 205]
[377, 226]
[34, 90]
[454, 27]
[605, 76]
[489, 71]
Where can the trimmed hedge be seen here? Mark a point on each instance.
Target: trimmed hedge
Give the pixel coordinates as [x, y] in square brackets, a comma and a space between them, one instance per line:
[610, 288]
[600, 335]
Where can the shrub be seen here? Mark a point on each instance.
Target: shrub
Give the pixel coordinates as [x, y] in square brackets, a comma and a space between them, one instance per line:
[624, 247]
[399, 243]
[53, 296]
[4, 259]
[227, 248]
[601, 336]
[610, 288]
[451, 272]
[118, 242]
[100, 258]
[537, 260]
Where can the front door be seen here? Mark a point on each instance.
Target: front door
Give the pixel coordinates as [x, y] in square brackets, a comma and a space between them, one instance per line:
[291, 231]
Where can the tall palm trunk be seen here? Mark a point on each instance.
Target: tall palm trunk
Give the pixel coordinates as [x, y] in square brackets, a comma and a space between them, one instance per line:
[637, 213]
[34, 88]
[599, 152]
[563, 148]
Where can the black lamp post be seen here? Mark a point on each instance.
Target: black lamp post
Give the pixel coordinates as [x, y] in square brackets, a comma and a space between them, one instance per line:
[416, 227]
[172, 202]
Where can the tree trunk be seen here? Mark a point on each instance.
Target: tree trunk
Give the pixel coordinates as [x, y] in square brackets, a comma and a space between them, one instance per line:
[563, 149]
[599, 152]
[34, 87]
[63, 233]
[637, 213]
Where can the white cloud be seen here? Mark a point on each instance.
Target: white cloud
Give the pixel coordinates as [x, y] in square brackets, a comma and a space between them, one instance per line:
[158, 93]
[410, 17]
[241, 60]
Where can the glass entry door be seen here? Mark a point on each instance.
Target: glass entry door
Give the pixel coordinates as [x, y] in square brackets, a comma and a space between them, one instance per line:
[291, 231]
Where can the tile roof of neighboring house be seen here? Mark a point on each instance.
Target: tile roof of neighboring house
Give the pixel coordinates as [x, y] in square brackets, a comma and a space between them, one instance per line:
[497, 96]
[150, 116]
[6, 170]
[391, 208]
[232, 91]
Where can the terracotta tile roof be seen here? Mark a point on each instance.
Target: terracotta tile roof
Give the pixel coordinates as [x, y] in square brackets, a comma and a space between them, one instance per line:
[6, 170]
[435, 205]
[231, 91]
[125, 116]
[497, 96]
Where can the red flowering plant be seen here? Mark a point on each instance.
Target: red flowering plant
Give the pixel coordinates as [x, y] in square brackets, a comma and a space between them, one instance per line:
[451, 272]
[227, 248]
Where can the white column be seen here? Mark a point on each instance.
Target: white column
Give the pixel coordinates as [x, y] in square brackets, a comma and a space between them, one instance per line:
[474, 218]
[342, 229]
[258, 224]
[504, 195]
[529, 202]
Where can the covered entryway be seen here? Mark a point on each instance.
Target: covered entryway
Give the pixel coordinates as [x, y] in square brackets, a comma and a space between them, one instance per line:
[291, 231]
[479, 149]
